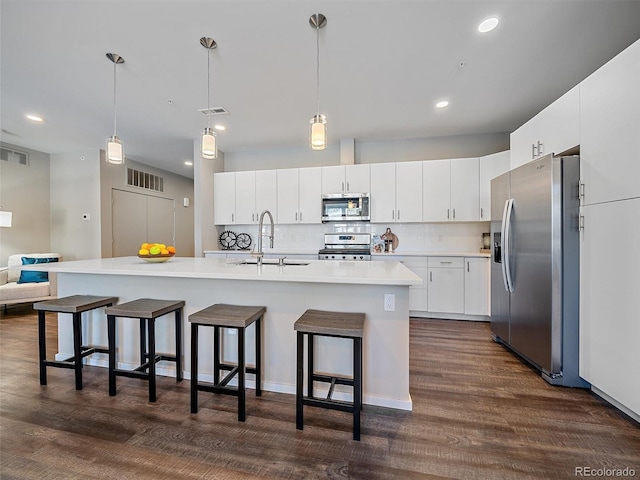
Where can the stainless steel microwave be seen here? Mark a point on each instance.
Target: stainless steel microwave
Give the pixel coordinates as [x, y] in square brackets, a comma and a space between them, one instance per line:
[345, 207]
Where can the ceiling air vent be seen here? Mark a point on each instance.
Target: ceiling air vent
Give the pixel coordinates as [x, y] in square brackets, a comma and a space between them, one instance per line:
[214, 111]
[138, 178]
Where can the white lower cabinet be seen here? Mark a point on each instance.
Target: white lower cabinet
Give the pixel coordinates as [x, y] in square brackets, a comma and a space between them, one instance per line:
[418, 293]
[477, 271]
[445, 285]
[609, 301]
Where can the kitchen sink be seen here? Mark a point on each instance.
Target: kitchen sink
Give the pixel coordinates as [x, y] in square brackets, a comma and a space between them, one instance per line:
[271, 261]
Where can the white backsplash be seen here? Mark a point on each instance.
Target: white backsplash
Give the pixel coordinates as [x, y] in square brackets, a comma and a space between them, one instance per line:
[413, 237]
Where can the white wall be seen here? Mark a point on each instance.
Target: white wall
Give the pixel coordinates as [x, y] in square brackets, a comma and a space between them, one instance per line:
[75, 185]
[24, 191]
[401, 150]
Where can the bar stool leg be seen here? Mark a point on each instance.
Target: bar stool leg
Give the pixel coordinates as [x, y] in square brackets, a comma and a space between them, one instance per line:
[151, 322]
[216, 355]
[310, 365]
[299, 379]
[357, 386]
[77, 349]
[194, 368]
[241, 374]
[258, 357]
[143, 341]
[179, 345]
[42, 346]
[111, 333]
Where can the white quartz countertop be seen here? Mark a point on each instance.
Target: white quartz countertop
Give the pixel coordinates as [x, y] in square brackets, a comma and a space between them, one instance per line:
[399, 253]
[317, 271]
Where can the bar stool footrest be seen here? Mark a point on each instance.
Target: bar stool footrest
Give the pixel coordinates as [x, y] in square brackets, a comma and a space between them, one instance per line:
[343, 406]
[221, 389]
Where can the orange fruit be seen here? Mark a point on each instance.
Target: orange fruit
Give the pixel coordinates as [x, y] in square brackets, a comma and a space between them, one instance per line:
[145, 246]
[143, 251]
[171, 249]
[164, 252]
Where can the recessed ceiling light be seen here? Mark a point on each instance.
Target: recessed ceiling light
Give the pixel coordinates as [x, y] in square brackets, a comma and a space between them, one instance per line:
[188, 163]
[442, 104]
[488, 25]
[219, 127]
[35, 118]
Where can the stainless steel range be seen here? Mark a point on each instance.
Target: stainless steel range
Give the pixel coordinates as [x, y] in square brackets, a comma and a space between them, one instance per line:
[346, 246]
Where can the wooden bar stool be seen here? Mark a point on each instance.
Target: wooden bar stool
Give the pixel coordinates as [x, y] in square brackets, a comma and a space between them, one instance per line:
[226, 316]
[147, 310]
[75, 305]
[329, 324]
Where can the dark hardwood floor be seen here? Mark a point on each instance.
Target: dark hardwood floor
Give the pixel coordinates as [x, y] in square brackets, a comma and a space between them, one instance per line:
[479, 413]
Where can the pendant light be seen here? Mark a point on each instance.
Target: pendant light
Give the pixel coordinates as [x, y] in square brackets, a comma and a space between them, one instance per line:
[318, 129]
[115, 153]
[208, 145]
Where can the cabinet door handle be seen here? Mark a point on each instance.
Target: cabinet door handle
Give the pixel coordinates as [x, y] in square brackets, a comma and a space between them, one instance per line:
[447, 214]
[533, 150]
[393, 214]
[481, 212]
[343, 186]
[300, 216]
[348, 187]
[431, 276]
[296, 216]
[398, 214]
[252, 217]
[467, 267]
[445, 263]
[232, 217]
[540, 148]
[454, 213]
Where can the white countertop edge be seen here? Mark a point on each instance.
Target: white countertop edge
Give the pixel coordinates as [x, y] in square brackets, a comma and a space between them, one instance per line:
[318, 271]
[394, 254]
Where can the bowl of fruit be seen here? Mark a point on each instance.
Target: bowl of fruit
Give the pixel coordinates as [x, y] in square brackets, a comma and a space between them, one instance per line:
[156, 252]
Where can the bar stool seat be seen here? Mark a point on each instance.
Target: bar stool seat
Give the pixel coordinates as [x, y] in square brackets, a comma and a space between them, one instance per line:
[147, 310]
[238, 317]
[329, 324]
[75, 305]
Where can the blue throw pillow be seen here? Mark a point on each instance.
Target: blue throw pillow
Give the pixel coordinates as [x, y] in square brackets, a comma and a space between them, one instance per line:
[32, 276]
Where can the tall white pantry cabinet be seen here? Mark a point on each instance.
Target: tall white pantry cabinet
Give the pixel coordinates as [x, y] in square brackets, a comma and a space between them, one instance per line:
[610, 236]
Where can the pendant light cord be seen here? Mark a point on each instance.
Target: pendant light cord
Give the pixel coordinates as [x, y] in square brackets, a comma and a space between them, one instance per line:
[114, 98]
[318, 66]
[208, 88]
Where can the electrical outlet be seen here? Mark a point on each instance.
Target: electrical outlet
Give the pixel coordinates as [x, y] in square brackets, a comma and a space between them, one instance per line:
[389, 302]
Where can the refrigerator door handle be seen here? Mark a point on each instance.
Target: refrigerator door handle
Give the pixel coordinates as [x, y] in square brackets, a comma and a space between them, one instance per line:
[506, 246]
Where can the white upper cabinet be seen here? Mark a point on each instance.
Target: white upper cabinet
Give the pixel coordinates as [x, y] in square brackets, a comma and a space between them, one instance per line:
[491, 166]
[245, 197]
[554, 130]
[396, 192]
[346, 178]
[266, 193]
[610, 129]
[465, 195]
[436, 190]
[299, 198]
[450, 190]
[224, 198]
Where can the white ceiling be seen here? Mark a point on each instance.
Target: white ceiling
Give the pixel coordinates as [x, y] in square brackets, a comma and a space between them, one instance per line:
[383, 66]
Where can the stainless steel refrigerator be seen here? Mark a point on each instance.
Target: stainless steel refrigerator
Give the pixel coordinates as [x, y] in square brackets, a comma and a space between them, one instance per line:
[535, 265]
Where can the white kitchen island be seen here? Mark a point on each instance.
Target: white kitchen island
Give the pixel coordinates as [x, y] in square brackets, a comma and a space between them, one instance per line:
[287, 291]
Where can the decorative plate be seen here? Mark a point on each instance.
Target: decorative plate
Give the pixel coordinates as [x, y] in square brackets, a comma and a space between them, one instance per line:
[243, 241]
[156, 258]
[227, 239]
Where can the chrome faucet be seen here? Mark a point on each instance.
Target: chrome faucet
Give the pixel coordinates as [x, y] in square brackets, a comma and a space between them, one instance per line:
[260, 253]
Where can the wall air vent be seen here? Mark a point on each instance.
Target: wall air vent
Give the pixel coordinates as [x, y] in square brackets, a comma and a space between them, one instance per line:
[138, 178]
[214, 111]
[14, 156]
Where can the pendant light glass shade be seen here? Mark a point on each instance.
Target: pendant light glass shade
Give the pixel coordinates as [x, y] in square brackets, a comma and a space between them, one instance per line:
[318, 132]
[318, 128]
[115, 154]
[209, 146]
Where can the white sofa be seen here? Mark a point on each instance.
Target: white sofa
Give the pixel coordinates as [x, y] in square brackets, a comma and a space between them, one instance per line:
[12, 292]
